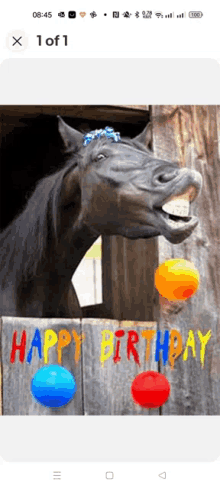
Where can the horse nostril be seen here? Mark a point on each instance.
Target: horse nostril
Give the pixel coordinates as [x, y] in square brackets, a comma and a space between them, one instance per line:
[165, 177]
[161, 178]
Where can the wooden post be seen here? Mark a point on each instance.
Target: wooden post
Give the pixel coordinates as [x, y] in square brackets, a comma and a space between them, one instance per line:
[128, 278]
[189, 135]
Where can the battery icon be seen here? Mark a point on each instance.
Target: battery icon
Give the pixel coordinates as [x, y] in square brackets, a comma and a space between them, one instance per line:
[195, 15]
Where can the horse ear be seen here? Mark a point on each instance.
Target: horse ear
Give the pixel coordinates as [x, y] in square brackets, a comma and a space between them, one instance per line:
[71, 138]
[145, 137]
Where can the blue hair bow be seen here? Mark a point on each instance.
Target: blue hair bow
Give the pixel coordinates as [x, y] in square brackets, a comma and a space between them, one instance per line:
[99, 133]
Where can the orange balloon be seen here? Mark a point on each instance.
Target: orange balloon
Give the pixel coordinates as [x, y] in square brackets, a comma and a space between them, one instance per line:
[177, 280]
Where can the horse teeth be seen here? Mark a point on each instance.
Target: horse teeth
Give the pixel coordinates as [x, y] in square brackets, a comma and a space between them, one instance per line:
[175, 224]
[177, 207]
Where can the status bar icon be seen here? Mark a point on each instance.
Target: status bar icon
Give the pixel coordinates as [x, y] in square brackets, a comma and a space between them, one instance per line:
[72, 14]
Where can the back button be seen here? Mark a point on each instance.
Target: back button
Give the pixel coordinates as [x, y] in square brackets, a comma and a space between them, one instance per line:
[163, 475]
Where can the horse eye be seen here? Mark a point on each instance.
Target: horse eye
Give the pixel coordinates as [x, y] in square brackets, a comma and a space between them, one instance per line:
[99, 157]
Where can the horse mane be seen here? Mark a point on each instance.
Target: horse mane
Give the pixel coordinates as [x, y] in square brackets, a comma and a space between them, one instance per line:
[23, 244]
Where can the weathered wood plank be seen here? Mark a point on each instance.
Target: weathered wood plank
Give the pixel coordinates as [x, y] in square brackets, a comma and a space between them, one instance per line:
[16, 377]
[106, 389]
[112, 113]
[128, 277]
[188, 134]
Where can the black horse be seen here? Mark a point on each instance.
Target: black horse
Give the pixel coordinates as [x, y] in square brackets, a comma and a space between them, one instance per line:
[104, 188]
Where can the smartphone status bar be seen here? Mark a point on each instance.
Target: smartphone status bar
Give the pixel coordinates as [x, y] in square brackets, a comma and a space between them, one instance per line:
[144, 14]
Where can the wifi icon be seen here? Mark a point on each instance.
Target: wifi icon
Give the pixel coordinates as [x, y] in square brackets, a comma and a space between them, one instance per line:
[159, 15]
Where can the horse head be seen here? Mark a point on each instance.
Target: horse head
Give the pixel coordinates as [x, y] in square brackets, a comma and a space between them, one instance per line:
[123, 189]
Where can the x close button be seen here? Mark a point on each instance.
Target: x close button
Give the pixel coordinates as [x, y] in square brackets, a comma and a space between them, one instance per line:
[17, 41]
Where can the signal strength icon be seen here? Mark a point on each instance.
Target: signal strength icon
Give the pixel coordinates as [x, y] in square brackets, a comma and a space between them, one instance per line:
[159, 15]
[169, 16]
[181, 16]
[56, 475]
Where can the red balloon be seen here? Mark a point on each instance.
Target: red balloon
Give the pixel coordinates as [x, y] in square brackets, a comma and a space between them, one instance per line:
[150, 389]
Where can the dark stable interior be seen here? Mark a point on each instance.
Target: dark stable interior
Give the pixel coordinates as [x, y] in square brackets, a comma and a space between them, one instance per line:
[31, 149]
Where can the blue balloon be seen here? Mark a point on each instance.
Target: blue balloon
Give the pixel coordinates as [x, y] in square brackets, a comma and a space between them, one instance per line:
[53, 386]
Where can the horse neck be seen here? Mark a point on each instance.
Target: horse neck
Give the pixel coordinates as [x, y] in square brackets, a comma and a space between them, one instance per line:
[72, 247]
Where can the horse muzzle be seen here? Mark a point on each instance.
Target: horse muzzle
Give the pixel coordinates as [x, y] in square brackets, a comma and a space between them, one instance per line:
[175, 221]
